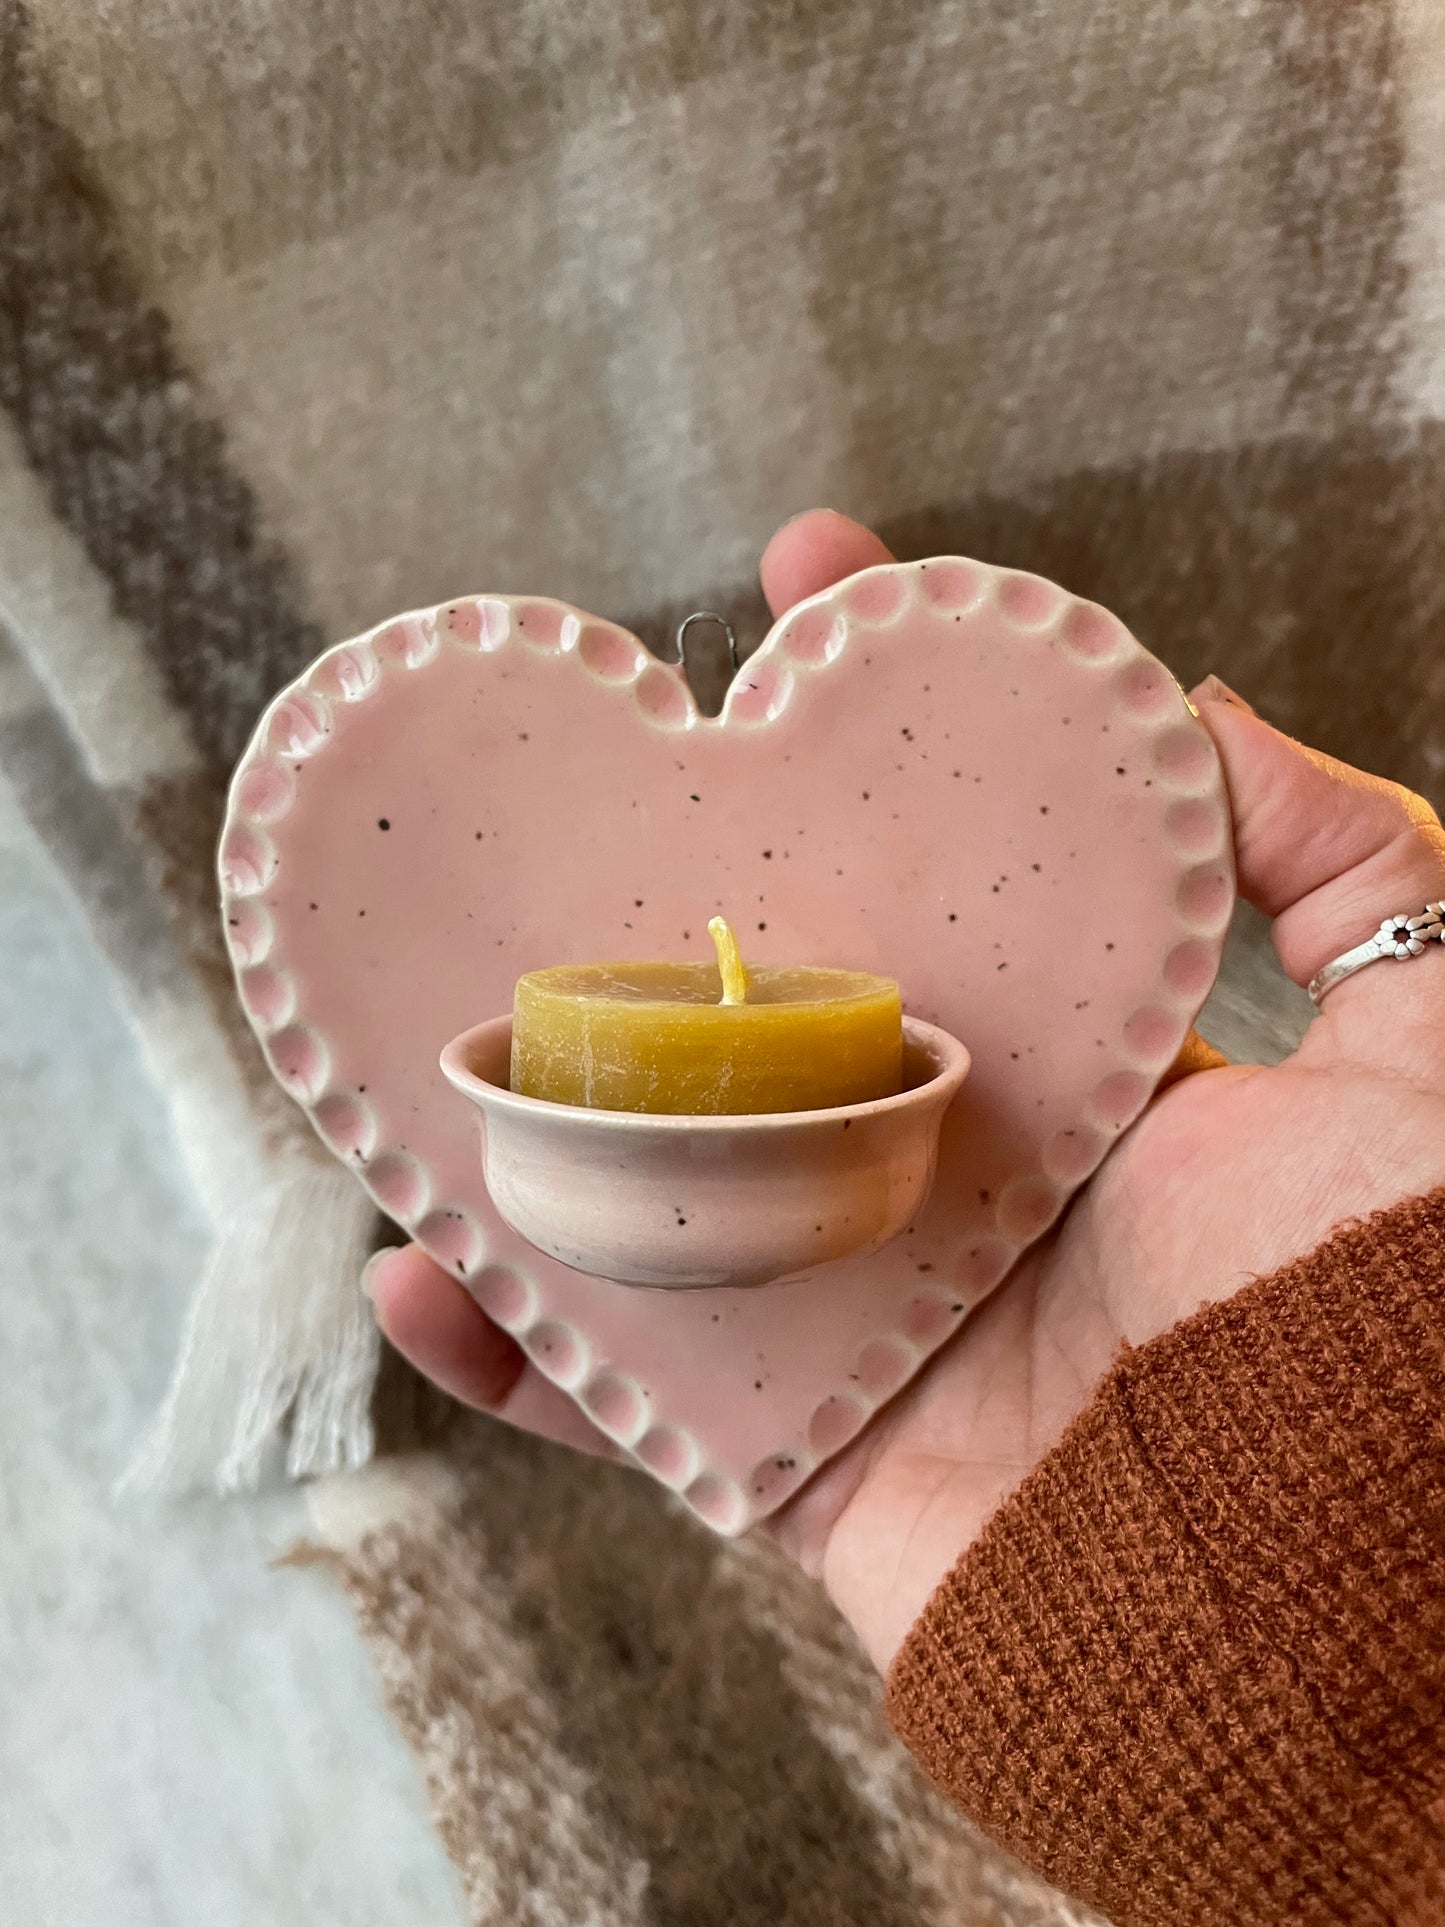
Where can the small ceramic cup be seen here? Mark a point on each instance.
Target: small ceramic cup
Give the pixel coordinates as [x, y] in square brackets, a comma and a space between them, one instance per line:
[683, 1203]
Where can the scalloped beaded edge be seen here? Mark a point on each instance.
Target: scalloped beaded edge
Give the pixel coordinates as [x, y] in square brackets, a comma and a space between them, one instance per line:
[807, 640]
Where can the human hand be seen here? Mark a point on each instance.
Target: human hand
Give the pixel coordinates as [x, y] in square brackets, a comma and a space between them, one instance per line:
[1229, 1173]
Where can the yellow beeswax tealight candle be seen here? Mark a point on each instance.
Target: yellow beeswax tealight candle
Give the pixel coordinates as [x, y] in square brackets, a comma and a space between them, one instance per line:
[706, 1038]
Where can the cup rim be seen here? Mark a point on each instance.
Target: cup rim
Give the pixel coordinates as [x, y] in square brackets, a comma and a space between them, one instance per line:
[951, 1060]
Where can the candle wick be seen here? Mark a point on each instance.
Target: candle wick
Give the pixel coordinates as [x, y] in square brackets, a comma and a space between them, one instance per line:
[729, 961]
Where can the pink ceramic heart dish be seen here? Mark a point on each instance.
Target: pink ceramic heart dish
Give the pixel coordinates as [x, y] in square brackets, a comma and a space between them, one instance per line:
[953, 774]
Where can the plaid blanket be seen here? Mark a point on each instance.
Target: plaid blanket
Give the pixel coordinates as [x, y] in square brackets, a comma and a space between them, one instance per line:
[311, 313]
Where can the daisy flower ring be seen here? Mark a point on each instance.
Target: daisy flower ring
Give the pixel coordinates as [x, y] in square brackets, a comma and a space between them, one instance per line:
[1403, 936]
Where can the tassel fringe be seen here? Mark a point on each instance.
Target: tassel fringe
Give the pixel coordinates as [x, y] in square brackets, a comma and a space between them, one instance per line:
[280, 1351]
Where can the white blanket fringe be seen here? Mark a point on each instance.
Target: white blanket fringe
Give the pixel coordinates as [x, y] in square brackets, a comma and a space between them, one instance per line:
[280, 1346]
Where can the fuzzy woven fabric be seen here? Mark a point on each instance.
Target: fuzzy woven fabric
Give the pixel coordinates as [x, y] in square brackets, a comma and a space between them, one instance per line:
[311, 313]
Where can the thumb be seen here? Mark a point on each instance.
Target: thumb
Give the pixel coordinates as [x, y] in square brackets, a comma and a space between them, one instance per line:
[1329, 852]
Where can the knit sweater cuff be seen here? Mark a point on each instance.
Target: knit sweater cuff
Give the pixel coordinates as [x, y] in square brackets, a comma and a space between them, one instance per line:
[1194, 1669]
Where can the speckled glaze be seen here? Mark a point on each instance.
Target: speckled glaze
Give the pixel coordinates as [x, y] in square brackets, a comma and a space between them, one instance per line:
[682, 1203]
[948, 773]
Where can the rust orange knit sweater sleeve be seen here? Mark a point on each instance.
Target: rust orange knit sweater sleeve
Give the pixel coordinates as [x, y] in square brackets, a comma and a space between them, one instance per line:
[1194, 1669]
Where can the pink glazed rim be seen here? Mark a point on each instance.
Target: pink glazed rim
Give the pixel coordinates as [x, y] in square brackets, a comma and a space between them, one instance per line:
[949, 1060]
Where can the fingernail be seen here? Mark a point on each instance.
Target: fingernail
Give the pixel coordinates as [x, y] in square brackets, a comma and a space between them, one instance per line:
[368, 1270]
[1212, 690]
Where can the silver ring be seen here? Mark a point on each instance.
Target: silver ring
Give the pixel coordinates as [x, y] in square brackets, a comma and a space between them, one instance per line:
[1402, 937]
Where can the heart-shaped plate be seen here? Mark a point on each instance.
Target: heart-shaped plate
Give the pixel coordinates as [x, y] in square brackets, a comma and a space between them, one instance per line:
[956, 775]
